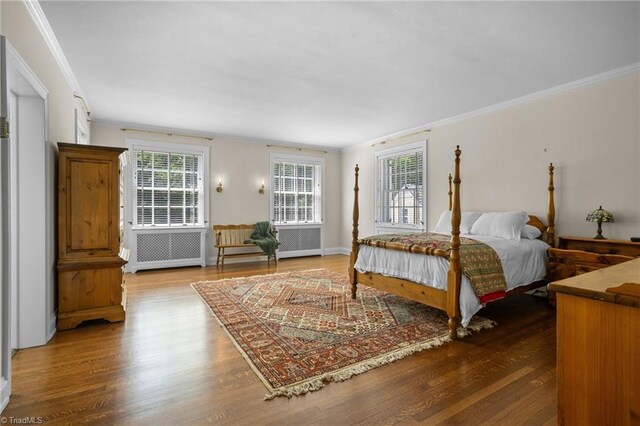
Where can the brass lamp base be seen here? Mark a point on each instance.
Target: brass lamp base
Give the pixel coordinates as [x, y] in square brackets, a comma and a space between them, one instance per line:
[599, 236]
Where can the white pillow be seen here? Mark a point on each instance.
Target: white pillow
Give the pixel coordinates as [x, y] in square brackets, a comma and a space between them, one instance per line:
[444, 223]
[530, 232]
[506, 225]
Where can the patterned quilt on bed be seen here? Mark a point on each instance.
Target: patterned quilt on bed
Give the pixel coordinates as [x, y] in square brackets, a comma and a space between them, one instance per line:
[478, 262]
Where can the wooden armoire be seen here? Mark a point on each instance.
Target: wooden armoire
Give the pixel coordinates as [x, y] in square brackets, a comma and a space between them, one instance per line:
[89, 263]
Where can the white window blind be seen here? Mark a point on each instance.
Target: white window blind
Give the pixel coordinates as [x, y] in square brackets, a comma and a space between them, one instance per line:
[400, 192]
[296, 192]
[168, 189]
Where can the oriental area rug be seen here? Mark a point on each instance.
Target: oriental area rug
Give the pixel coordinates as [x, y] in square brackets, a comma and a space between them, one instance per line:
[300, 330]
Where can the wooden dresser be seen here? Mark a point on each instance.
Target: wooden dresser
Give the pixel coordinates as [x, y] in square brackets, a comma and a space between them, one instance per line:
[574, 256]
[621, 247]
[598, 334]
[89, 265]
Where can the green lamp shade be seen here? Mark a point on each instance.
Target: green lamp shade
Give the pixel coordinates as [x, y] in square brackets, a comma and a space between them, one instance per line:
[600, 215]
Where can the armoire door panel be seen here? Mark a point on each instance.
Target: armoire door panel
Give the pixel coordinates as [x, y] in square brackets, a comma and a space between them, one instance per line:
[89, 222]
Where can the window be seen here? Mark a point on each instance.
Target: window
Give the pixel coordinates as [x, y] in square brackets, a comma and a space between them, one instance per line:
[168, 186]
[400, 190]
[296, 189]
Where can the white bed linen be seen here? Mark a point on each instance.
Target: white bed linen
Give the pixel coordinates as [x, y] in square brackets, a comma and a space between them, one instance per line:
[523, 262]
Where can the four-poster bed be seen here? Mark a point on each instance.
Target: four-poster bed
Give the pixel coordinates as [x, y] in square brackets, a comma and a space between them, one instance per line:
[448, 297]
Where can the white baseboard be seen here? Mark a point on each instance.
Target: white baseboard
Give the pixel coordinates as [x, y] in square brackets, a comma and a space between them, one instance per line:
[337, 250]
[133, 268]
[300, 253]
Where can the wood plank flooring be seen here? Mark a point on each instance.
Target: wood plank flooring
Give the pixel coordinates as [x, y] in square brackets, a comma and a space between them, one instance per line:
[170, 363]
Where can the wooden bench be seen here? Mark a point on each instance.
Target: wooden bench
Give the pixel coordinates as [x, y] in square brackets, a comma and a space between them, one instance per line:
[233, 236]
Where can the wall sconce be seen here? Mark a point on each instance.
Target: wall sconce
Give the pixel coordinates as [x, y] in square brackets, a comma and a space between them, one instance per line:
[261, 189]
[219, 188]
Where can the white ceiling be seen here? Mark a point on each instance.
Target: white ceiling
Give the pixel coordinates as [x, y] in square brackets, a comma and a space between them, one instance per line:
[332, 73]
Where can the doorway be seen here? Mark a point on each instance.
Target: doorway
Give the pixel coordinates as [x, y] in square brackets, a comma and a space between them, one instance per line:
[27, 158]
[29, 210]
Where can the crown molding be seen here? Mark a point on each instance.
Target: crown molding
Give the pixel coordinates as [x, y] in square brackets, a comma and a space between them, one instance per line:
[41, 22]
[573, 85]
[214, 136]
[14, 59]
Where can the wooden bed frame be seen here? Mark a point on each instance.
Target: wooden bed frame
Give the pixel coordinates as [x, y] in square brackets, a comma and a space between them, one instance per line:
[446, 300]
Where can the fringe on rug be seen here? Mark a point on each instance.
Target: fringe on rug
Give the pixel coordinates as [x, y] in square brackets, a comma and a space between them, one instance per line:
[346, 373]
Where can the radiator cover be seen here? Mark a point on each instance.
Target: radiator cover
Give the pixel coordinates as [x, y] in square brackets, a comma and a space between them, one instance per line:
[300, 241]
[167, 248]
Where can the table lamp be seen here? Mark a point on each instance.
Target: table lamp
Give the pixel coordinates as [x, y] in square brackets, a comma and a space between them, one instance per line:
[600, 215]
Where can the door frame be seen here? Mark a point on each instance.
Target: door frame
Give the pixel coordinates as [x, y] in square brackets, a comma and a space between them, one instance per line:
[5, 309]
[16, 63]
[12, 61]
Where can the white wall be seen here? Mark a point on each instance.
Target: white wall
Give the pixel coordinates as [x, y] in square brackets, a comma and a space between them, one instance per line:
[20, 30]
[242, 165]
[591, 134]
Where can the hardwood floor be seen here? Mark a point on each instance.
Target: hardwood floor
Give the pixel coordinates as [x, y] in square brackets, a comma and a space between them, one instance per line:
[170, 363]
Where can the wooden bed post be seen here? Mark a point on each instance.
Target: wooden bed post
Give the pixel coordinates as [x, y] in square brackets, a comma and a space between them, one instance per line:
[450, 193]
[551, 212]
[353, 277]
[453, 276]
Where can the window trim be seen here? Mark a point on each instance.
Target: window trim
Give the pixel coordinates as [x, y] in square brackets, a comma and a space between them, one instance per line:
[317, 161]
[175, 147]
[387, 227]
